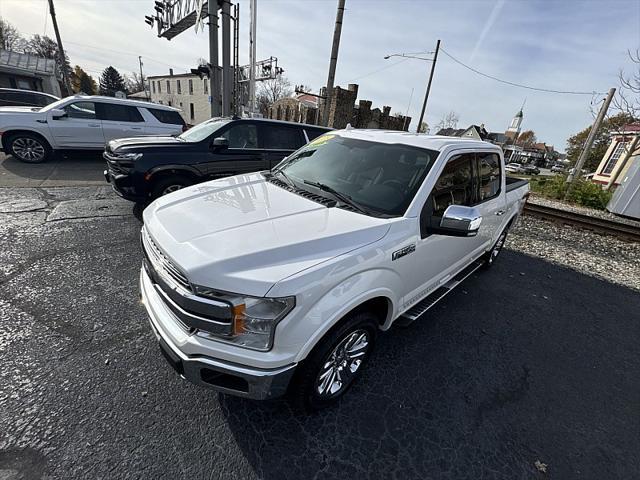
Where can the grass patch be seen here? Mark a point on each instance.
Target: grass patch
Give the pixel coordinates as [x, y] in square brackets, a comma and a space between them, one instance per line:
[584, 193]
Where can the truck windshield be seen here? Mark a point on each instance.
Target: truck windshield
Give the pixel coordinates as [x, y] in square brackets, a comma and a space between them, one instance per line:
[202, 130]
[380, 177]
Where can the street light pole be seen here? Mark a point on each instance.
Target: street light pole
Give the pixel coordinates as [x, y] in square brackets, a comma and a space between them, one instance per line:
[426, 95]
[63, 63]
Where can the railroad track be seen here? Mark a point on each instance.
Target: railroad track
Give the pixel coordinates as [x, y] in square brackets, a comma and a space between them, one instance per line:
[599, 225]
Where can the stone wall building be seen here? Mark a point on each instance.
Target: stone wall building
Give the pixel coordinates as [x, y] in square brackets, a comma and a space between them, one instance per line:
[185, 91]
[343, 110]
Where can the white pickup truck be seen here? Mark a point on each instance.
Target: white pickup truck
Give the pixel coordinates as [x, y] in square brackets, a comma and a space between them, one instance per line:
[273, 282]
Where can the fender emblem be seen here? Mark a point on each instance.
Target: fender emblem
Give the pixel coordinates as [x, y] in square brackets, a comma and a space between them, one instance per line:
[403, 251]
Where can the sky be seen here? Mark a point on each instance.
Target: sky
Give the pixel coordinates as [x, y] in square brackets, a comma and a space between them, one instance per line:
[551, 44]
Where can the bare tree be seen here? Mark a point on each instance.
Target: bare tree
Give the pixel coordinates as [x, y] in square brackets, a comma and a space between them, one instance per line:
[271, 91]
[10, 38]
[135, 82]
[450, 120]
[423, 128]
[628, 98]
[526, 138]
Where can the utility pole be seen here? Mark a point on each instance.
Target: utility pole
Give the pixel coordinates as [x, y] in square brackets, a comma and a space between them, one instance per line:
[63, 63]
[144, 85]
[577, 169]
[227, 80]
[332, 63]
[214, 72]
[426, 95]
[253, 7]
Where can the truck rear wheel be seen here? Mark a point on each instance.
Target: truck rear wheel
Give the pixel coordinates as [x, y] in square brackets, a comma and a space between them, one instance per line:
[334, 364]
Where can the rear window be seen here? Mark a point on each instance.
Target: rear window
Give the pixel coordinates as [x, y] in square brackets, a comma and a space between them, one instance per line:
[23, 99]
[118, 113]
[167, 116]
[276, 137]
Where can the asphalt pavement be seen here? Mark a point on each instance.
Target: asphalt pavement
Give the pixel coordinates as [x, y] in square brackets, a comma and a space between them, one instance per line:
[526, 367]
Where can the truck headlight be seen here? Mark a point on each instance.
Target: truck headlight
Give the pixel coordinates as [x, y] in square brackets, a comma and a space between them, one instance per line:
[254, 318]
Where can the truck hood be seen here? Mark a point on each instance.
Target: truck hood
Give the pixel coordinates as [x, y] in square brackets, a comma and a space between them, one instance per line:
[144, 141]
[243, 234]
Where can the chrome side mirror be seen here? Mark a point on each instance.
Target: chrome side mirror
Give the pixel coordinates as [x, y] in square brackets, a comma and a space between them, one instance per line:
[58, 113]
[460, 221]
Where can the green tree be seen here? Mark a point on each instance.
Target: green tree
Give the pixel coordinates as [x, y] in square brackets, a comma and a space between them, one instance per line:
[111, 82]
[575, 143]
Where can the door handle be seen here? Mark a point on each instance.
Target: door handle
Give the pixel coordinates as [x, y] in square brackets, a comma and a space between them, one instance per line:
[500, 212]
[94, 124]
[136, 128]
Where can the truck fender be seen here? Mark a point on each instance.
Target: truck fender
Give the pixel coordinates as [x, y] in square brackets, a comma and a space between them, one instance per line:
[176, 167]
[345, 297]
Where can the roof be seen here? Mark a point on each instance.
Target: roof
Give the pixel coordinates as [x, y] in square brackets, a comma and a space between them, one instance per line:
[420, 140]
[451, 132]
[35, 92]
[27, 62]
[125, 101]
[270, 120]
[134, 96]
[174, 75]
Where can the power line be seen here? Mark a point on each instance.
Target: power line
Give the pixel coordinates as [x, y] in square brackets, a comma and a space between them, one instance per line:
[378, 70]
[513, 84]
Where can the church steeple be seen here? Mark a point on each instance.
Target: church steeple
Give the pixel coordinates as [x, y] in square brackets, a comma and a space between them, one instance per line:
[514, 127]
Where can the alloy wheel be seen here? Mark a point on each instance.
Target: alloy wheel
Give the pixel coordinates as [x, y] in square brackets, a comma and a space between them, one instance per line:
[28, 149]
[340, 366]
[172, 188]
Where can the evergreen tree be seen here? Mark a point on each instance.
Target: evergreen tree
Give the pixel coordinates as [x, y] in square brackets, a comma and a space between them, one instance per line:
[111, 81]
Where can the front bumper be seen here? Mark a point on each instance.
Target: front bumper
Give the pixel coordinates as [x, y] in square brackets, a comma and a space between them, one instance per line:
[227, 377]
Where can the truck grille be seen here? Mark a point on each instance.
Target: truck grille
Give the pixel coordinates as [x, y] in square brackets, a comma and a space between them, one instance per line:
[161, 261]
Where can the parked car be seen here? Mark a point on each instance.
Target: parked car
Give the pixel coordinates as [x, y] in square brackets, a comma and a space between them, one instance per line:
[81, 123]
[557, 168]
[278, 281]
[514, 168]
[531, 170]
[140, 169]
[13, 97]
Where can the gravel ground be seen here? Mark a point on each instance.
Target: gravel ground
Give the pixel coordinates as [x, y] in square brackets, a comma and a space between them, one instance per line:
[600, 256]
[546, 202]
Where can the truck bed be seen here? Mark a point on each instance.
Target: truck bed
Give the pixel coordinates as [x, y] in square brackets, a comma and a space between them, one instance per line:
[513, 183]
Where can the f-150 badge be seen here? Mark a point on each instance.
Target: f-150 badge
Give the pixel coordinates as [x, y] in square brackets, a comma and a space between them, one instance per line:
[403, 251]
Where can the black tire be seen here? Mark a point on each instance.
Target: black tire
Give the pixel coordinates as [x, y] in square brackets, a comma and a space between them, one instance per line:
[304, 394]
[491, 256]
[168, 184]
[29, 148]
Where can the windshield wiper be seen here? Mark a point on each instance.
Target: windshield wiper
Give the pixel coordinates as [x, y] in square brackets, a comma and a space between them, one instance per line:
[343, 197]
[287, 178]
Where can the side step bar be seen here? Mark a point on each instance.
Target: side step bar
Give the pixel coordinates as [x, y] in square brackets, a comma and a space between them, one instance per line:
[434, 297]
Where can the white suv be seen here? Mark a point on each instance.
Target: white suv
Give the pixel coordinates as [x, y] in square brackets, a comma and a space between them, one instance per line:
[81, 123]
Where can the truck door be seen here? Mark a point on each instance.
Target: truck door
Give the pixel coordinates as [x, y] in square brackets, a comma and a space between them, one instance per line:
[79, 128]
[438, 257]
[243, 155]
[280, 141]
[120, 121]
[491, 196]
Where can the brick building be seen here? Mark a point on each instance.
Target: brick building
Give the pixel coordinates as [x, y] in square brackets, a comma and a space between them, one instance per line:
[343, 110]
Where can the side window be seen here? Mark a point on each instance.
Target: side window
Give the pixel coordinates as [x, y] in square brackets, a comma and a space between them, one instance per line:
[166, 116]
[455, 185]
[118, 113]
[276, 137]
[489, 170]
[244, 135]
[85, 110]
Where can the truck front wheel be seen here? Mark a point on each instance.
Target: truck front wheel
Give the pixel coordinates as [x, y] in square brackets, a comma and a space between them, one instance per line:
[335, 363]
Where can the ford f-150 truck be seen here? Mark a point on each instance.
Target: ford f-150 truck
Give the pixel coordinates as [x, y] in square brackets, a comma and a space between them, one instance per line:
[278, 282]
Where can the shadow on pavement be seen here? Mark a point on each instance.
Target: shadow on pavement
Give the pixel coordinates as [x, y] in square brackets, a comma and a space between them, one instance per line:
[527, 362]
[65, 168]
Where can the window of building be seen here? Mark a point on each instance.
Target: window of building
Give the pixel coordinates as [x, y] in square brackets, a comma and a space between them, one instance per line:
[190, 87]
[168, 87]
[242, 136]
[192, 114]
[169, 102]
[153, 86]
[81, 110]
[206, 86]
[159, 87]
[118, 113]
[179, 87]
[490, 179]
[613, 159]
